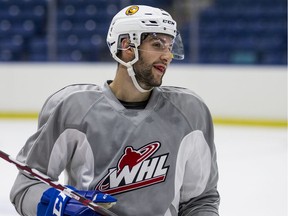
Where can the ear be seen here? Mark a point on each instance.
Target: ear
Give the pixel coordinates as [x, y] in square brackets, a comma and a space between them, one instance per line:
[127, 51]
[125, 43]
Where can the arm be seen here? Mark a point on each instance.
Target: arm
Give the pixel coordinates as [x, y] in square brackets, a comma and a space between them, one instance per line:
[204, 205]
[49, 150]
[207, 203]
[27, 190]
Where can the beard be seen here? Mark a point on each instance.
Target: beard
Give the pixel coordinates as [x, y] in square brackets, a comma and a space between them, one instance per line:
[144, 75]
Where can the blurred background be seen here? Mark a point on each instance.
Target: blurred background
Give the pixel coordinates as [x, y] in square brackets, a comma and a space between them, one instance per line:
[235, 59]
[214, 31]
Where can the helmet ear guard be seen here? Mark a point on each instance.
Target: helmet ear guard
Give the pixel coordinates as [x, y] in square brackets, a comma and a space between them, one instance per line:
[120, 48]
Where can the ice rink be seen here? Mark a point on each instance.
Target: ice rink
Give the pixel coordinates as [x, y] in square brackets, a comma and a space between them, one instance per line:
[252, 164]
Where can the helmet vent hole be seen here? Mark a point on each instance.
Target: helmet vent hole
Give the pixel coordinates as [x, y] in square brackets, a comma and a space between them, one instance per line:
[150, 22]
[165, 14]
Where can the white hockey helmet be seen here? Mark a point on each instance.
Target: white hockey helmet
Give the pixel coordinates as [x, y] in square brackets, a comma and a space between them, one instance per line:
[136, 20]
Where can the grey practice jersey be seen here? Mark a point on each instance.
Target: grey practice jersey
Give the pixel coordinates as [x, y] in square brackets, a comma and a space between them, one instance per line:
[157, 161]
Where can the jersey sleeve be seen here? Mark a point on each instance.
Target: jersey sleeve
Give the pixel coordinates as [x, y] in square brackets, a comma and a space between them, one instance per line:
[40, 151]
[27, 191]
[207, 203]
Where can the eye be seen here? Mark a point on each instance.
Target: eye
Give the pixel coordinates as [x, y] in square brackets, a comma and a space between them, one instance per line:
[157, 44]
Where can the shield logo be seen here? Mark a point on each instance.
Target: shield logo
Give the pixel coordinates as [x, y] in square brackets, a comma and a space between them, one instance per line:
[132, 10]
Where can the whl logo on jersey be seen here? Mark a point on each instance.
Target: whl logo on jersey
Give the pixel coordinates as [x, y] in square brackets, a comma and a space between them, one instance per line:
[135, 169]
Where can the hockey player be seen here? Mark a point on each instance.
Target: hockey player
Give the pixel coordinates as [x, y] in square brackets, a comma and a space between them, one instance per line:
[149, 147]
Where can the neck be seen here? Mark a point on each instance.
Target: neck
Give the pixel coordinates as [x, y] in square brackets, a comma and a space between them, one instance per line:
[124, 89]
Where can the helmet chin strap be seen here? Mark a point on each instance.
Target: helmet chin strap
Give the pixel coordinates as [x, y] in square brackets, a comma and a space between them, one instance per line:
[135, 82]
[130, 70]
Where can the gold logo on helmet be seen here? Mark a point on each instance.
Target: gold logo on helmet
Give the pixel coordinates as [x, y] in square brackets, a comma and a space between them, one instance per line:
[132, 10]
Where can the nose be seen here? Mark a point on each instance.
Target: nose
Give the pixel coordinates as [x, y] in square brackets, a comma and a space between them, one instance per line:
[167, 56]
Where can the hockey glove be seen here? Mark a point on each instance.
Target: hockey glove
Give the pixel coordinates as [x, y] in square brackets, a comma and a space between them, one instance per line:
[56, 203]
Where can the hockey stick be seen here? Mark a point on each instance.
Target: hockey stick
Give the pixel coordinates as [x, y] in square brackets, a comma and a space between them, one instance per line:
[67, 191]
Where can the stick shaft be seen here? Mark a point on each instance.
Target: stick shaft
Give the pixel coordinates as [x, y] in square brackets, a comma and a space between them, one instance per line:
[67, 191]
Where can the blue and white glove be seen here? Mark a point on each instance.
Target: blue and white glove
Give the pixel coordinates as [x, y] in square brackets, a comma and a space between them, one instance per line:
[56, 203]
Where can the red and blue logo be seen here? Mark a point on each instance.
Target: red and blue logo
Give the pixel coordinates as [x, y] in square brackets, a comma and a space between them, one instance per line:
[135, 169]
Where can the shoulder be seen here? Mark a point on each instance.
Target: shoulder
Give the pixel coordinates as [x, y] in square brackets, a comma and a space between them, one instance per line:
[60, 96]
[181, 95]
[188, 103]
